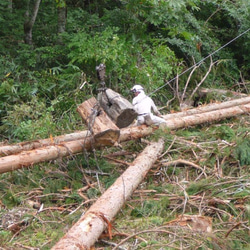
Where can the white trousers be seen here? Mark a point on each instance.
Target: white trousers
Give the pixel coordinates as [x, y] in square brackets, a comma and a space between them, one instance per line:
[149, 119]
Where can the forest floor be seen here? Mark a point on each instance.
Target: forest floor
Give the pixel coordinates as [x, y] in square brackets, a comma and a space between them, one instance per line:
[177, 206]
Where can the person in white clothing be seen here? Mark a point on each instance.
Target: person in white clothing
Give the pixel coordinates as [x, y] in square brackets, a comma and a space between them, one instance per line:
[143, 105]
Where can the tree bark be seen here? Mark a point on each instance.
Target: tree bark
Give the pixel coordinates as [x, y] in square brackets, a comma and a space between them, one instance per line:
[62, 16]
[29, 22]
[28, 158]
[10, 5]
[91, 225]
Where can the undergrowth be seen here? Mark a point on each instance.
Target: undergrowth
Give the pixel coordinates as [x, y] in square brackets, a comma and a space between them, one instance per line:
[39, 204]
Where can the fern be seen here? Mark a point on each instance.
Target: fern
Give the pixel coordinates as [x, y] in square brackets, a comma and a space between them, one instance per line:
[242, 152]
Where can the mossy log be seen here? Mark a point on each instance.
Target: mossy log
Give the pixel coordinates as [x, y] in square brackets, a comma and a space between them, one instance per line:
[205, 91]
[90, 226]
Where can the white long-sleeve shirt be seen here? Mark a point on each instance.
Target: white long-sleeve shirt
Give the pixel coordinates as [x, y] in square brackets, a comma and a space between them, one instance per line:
[144, 104]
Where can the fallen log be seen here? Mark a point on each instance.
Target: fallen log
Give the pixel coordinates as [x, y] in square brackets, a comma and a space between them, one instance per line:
[29, 145]
[209, 107]
[28, 158]
[49, 153]
[91, 225]
[216, 115]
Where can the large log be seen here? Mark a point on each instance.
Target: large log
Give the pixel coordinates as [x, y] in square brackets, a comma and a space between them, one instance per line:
[31, 157]
[29, 145]
[27, 158]
[209, 107]
[119, 109]
[91, 225]
[102, 127]
[212, 116]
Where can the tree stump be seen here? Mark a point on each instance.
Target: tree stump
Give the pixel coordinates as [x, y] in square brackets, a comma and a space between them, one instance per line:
[119, 109]
[104, 131]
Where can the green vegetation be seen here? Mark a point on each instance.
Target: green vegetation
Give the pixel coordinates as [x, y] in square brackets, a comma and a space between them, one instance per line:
[146, 42]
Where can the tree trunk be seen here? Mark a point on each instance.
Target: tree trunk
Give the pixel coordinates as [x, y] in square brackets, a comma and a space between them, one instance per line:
[29, 145]
[91, 225]
[10, 5]
[62, 18]
[27, 158]
[29, 22]
[62, 15]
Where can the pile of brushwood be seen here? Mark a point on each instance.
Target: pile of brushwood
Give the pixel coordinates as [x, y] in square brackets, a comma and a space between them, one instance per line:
[196, 196]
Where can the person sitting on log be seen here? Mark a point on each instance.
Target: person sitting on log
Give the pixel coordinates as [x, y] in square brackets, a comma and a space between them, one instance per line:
[143, 105]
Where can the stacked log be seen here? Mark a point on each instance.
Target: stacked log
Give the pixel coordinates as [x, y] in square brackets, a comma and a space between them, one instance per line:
[209, 107]
[28, 158]
[80, 135]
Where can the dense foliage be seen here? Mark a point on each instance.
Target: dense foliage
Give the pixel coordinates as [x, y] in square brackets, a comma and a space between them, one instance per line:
[147, 42]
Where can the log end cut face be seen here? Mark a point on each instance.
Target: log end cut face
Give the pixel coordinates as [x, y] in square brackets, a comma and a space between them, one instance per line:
[107, 138]
[126, 117]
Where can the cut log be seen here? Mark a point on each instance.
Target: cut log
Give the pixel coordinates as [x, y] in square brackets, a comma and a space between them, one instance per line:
[209, 107]
[103, 129]
[29, 145]
[119, 109]
[91, 225]
[31, 157]
[212, 116]
[28, 158]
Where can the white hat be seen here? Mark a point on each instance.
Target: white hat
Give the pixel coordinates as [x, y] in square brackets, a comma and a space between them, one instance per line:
[137, 88]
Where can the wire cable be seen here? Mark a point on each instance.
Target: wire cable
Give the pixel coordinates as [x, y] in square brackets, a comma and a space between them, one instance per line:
[202, 60]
